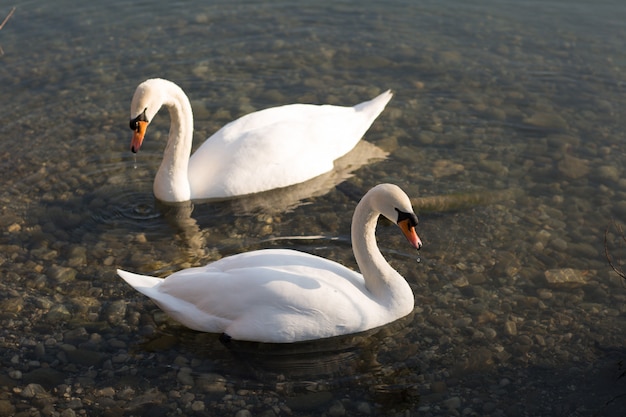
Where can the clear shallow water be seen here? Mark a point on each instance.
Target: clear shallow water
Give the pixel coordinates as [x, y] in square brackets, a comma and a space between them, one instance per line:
[517, 105]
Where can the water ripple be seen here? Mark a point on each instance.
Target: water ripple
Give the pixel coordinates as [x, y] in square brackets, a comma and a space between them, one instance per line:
[127, 205]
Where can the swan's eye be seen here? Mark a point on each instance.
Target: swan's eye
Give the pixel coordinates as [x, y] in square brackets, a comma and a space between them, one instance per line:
[411, 217]
[141, 118]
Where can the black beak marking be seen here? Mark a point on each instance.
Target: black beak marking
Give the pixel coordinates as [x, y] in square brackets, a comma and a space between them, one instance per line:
[141, 118]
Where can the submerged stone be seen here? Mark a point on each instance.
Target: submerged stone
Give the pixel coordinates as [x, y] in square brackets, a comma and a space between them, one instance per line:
[566, 277]
[546, 120]
[573, 167]
[61, 274]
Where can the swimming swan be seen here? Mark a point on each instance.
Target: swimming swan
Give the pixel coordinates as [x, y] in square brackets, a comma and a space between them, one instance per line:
[282, 296]
[260, 151]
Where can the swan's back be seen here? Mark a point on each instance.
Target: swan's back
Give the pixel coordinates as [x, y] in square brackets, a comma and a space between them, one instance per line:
[270, 295]
[281, 295]
[278, 147]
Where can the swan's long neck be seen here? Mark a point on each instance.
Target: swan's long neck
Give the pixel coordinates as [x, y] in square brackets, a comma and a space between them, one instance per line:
[171, 182]
[387, 286]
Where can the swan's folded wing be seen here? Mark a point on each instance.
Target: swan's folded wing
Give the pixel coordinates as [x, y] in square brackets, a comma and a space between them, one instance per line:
[277, 147]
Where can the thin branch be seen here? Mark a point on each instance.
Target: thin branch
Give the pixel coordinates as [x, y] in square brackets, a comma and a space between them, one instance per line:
[618, 269]
[6, 19]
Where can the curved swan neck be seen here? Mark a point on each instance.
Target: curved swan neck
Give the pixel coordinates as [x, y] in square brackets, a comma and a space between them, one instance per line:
[172, 182]
[381, 279]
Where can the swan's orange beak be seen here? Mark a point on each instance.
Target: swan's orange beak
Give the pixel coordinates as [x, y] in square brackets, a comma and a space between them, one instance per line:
[138, 134]
[409, 232]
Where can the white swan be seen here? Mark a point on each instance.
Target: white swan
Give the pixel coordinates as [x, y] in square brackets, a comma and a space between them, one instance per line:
[281, 296]
[267, 149]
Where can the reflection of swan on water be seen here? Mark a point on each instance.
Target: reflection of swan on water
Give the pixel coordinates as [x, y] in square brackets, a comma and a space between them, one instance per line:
[264, 150]
[281, 200]
[179, 215]
[284, 296]
[378, 362]
[340, 356]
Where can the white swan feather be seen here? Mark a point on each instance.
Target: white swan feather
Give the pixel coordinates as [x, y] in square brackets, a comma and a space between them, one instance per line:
[282, 296]
[264, 150]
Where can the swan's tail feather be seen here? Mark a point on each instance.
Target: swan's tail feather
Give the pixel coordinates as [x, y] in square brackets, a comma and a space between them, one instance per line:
[375, 106]
[143, 283]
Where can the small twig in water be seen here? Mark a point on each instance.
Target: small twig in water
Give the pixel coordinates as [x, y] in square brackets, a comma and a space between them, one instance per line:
[6, 19]
[617, 268]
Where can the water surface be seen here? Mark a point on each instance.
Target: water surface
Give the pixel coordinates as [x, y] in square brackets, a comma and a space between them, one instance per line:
[512, 111]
